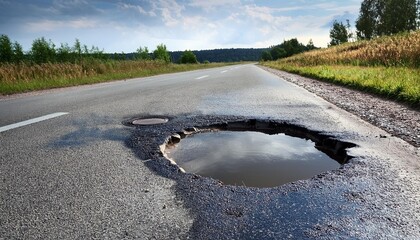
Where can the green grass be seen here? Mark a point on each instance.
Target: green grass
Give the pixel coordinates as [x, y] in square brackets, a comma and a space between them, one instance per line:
[24, 77]
[397, 83]
[387, 66]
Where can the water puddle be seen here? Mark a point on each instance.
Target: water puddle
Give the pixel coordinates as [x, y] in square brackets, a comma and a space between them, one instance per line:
[265, 158]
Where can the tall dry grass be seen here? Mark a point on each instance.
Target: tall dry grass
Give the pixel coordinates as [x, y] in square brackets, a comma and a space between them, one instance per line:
[23, 77]
[401, 50]
[388, 66]
[26, 72]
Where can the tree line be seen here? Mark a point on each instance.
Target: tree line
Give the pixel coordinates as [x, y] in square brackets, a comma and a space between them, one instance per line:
[378, 18]
[286, 49]
[223, 55]
[45, 51]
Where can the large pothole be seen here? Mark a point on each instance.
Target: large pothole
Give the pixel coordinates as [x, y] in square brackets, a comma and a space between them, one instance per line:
[256, 153]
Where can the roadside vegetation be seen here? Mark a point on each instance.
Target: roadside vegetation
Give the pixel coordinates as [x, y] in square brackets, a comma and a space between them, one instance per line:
[45, 66]
[389, 66]
[383, 57]
[223, 55]
[24, 77]
[286, 49]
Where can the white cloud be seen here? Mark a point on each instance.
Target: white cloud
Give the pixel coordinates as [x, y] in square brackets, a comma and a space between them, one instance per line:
[265, 14]
[187, 24]
[170, 10]
[52, 25]
[169, 20]
[81, 23]
[208, 5]
[235, 17]
[197, 23]
[139, 9]
[171, 5]
[333, 7]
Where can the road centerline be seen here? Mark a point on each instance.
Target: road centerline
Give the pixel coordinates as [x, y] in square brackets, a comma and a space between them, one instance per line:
[31, 121]
[202, 77]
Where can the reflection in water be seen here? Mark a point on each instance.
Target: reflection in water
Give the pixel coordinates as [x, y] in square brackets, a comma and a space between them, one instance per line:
[252, 159]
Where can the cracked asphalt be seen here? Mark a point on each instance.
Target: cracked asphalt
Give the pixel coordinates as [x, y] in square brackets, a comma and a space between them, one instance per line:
[86, 175]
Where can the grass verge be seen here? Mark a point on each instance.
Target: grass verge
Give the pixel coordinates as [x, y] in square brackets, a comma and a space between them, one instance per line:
[25, 77]
[397, 83]
[387, 66]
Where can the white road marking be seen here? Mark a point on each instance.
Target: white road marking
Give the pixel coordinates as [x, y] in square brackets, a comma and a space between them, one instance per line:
[31, 121]
[224, 71]
[202, 77]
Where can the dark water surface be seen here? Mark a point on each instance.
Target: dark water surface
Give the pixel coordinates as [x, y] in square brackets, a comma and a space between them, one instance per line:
[252, 159]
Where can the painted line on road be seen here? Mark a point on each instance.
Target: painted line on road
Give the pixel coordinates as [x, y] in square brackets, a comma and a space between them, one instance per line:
[224, 71]
[31, 121]
[202, 77]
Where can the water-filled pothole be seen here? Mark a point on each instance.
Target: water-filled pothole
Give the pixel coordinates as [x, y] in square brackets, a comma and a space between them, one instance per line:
[257, 154]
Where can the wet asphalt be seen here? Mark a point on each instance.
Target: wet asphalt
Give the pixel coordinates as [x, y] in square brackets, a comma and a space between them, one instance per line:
[86, 175]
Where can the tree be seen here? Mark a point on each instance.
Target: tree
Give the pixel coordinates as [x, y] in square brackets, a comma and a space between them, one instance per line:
[338, 34]
[366, 23]
[160, 53]
[292, 47]
[6, 51]
[43, 51]
[143, 53]
[188, 57]
[371, 19]
[278, 52]
[18, 55]
[399, 16]
[266, 56]
[350, 34]
[85, 49]
[418, 13]
[286, 49]
[64, 53]
[385, 17]
[77, 49]
[96, 53]
[310, 46]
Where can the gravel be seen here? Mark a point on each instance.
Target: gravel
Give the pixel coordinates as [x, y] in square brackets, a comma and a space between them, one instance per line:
[397, 119]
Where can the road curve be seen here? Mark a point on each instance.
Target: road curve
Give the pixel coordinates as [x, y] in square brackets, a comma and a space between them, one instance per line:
[67, 172]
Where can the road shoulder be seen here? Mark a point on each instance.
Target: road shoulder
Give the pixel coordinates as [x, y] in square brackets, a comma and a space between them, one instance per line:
[395, 118]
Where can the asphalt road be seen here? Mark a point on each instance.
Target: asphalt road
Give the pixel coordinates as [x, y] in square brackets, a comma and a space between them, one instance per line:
[72, 176]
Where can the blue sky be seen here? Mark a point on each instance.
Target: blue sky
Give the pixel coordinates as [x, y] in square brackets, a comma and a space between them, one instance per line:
[123, 26]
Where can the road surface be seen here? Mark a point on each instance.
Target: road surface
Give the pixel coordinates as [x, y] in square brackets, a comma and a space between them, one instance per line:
[67, 171]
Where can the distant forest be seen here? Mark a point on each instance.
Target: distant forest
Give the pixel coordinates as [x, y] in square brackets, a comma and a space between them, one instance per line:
[223, 55]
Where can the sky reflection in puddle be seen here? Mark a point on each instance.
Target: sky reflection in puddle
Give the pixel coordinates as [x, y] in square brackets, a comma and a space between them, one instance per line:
[252, 159]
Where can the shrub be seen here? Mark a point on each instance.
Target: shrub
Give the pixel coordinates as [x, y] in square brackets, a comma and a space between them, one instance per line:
[188, 57]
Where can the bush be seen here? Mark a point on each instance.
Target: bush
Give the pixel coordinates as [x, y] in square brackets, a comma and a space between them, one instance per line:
[6, 52]
[43, 51]
[188, 57]
[161, 53]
